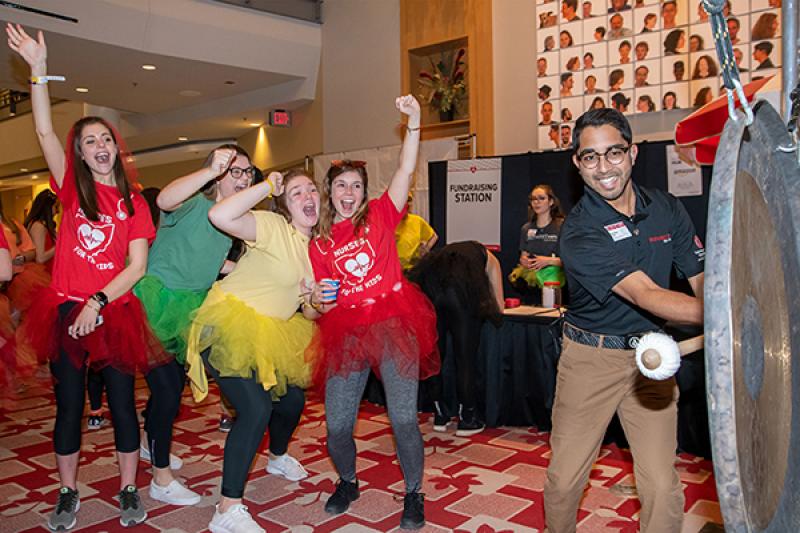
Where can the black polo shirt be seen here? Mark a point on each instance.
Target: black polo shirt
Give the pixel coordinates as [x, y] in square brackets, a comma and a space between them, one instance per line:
[600, 246]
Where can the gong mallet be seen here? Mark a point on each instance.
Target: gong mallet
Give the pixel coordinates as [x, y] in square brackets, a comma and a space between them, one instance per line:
[658, 356]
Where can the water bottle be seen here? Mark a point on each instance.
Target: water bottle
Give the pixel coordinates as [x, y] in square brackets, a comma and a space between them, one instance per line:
[551, 294]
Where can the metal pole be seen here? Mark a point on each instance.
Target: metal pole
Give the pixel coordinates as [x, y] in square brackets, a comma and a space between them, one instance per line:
[790, 20]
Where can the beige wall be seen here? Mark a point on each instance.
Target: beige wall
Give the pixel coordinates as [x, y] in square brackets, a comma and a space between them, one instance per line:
[161, 175]
[361, 73]
[514, 45]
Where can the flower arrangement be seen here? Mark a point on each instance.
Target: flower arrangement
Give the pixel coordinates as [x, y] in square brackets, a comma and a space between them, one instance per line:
[444, 86]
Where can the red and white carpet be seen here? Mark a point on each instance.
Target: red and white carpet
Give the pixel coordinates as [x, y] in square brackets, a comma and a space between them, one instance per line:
[491, 482]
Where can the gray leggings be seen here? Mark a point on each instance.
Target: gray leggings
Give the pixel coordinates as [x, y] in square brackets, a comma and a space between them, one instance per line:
[342, 398]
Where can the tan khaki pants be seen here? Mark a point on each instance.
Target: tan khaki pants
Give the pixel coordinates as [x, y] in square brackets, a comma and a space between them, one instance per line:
[592, 384]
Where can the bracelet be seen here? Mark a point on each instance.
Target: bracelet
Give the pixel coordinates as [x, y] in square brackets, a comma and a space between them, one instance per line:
[101, 299]
[410, 129]
[92, 304]
[43, 80]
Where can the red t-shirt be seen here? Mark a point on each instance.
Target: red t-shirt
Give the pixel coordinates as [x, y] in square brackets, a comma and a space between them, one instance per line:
[3, 241]
[366, 266]
[89, 254]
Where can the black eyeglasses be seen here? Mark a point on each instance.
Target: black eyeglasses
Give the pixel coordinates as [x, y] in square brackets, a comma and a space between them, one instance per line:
[237, 172]
[614, 155]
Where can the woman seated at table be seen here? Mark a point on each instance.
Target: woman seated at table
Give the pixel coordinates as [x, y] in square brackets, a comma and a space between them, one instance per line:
[538, 242]
[463, 280]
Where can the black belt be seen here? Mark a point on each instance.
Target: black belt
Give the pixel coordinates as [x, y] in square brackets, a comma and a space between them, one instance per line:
[612, 342]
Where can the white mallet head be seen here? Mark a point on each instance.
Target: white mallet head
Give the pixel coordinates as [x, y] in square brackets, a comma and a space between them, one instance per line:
[658, 356]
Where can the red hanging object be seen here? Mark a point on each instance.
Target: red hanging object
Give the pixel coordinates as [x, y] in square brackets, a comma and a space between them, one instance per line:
[701, 130]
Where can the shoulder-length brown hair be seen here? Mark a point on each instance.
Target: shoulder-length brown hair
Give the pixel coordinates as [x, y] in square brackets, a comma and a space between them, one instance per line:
[210, 188]
[84, 182]
[555, 209]
[327, 211]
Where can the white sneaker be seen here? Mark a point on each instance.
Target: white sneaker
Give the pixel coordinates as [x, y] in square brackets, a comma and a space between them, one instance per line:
[237, 519]
[286, 466]
[174, 493]
[175, 462]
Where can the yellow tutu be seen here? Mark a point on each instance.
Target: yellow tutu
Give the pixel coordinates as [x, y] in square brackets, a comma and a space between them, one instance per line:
[245, 343]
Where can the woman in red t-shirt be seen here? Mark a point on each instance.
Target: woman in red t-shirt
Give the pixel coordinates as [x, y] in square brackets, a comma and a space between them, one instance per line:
[8, 361]
[88, 316]
[378, 320]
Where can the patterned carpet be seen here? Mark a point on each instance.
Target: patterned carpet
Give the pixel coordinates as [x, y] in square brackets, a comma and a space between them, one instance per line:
[491, 482]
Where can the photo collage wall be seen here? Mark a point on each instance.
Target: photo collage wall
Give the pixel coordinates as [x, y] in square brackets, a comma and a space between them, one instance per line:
[641, 56]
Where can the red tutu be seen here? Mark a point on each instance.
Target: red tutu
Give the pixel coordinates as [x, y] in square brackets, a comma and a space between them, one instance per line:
[33, 278]
[8, 357]
[124, 340]
[400, 324]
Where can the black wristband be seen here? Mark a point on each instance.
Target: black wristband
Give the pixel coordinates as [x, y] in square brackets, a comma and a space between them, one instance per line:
[101, 299]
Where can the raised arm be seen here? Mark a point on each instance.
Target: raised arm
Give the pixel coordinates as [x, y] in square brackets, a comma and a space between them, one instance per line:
[401, 181]
[34, 52]
[674, 306]
[232, 215]
[178, 191]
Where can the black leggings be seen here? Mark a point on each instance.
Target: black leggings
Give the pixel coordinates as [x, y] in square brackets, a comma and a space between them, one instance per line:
[255, 411]
[464, 328]
[95, 384]
[70, 391]
[166, 385]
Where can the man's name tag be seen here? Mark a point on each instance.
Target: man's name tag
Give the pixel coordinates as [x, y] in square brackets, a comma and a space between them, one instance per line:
[618, 231]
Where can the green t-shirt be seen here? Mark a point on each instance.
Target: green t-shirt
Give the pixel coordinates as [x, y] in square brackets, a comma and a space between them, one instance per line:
[188, 251]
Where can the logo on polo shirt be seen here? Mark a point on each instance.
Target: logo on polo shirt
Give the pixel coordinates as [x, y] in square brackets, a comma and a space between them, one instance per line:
[666, 238]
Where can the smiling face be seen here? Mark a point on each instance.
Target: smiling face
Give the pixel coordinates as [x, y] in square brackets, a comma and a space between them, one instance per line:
[347, 194]
[301, 200]
[540, 201]
[641, 51]
[228, 185]
[607, 180]
[98, 150]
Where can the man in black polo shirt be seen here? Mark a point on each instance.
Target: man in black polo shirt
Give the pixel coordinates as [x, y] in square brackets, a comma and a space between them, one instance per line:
[618, 246]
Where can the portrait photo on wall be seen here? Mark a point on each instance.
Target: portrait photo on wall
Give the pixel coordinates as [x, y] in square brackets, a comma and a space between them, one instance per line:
[700, 38]
[547, 40]
[594, 29]
[703, 91]
[619, 25]
[758, 5]
[549, 111]
[570, 84]
[591, 8]
[548, 88]
[765, 54]
[547, 15]
[571, 35]
[622, 101]
[646, 20]
[646, 46]
[620, 52]
[570, 11]
[595, 81]
[647, 99]
[594, 102]
[620, 77]
[595, 55]
[738, 29]
[647, 73]
[704, 66]
[565, 134]
[547, 64]
[675, 68]
[549, 137]
[571, 60]
[571, 108]
[674, 96]
[674, 13]
[674, 41]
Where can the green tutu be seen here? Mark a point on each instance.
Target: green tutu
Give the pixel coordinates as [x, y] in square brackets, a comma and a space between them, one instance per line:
[169, 312]
[537, 278]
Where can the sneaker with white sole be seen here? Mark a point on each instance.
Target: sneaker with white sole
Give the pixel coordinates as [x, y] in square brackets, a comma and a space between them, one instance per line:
[175, 462]
[286, 466]
[174, 493]
[63, 516]
[236, 519]
[131, 510]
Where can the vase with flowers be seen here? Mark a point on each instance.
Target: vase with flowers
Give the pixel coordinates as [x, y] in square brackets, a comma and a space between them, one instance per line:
[444, 87]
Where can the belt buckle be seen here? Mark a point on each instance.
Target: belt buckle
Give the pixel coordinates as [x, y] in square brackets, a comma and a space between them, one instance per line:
[632, 341]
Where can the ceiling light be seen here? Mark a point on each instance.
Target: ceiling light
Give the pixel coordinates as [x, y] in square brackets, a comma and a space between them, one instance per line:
[189, 92]
[148, 67]
[182, 138]
[81, 89]
[34, 177]
[23, 170]
[255, 124]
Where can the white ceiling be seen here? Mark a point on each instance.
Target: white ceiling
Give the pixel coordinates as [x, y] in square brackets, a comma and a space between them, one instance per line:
[196, 45]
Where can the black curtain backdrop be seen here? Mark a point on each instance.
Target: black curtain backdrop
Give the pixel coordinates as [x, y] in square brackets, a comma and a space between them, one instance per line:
[521, 172]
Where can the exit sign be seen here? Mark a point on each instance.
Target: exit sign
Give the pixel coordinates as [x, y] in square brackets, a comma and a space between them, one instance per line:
[280, 118]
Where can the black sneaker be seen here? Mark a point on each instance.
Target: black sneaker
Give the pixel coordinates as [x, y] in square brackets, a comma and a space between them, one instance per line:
[346, 493]
[226, 423]
[413, 511]
[63, 516]
[468, 422]
[440, 419]
[130, 507]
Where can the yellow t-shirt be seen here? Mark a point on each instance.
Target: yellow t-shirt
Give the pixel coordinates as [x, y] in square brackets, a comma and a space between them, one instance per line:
[410, 233]
[267, 277]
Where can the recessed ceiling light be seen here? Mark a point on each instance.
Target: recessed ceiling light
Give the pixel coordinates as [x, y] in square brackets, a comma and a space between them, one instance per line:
[23, 170]
[34, 177]
[148, 67]
[182, 138]
[255, 124]
[189, 92]
[81, 89]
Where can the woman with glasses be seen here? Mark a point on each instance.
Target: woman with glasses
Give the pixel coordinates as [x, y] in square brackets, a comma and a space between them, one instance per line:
[185, 259]
[538, 242]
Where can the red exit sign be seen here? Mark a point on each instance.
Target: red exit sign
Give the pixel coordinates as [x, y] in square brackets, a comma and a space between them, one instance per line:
[280, 118]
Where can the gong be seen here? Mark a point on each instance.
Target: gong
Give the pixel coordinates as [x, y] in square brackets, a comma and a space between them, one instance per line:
[752, 325]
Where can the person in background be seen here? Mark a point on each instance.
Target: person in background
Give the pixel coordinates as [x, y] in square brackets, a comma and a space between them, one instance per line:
[414, 237]
[464, 282]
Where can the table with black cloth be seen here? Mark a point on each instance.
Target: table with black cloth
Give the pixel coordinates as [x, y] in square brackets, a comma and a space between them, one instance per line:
[516, 379]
